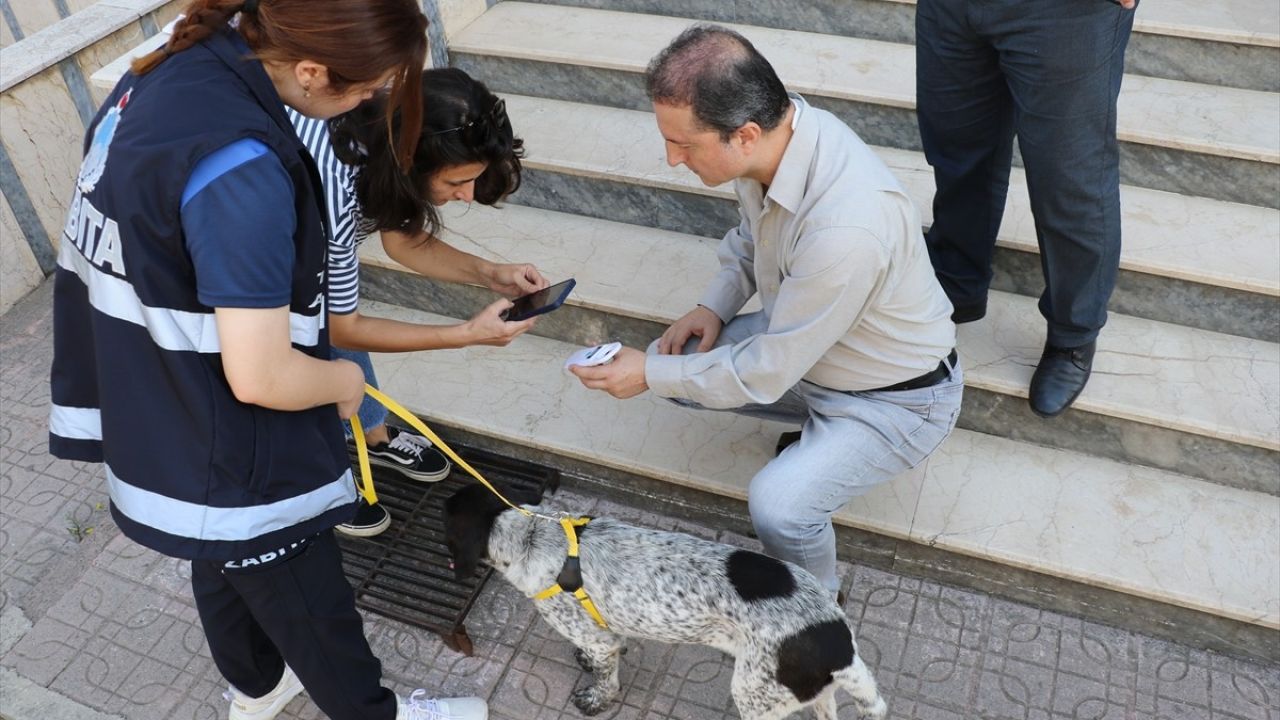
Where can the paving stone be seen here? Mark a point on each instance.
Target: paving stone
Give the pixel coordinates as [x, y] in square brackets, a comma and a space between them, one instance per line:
[46, 650]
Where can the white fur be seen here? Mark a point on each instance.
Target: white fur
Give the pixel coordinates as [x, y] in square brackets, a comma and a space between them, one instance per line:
[674, 588]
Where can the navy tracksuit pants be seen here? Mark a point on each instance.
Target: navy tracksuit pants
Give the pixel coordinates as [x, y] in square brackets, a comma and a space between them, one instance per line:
[301, 611]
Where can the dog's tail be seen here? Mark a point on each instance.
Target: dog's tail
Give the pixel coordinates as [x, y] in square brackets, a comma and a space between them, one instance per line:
[856, 679]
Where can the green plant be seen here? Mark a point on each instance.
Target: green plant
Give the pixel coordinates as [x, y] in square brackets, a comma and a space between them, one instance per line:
[81, 530]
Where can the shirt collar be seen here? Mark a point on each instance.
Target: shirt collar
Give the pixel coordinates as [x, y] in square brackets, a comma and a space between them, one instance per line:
[788, 187]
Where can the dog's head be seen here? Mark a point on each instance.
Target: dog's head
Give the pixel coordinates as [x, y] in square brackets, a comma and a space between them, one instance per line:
[469, 515]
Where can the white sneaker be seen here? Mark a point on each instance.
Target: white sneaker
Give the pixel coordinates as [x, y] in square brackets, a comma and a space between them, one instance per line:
[268, 706]
[420, 707]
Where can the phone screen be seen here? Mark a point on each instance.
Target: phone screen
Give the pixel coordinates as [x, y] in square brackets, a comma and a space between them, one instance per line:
[544, 300]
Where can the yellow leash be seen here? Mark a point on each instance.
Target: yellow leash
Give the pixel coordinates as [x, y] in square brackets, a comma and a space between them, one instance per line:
[362, 451]
[569, 525]
[365, 485]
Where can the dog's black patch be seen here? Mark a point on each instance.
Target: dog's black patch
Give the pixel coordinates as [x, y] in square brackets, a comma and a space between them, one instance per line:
[759, 577]
[807, 659]
[468, 520]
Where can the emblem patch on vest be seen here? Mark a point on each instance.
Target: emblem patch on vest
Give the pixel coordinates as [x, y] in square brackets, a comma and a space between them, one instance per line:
[95, 161]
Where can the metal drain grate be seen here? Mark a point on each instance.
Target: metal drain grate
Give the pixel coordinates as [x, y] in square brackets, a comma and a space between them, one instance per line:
[404, 573]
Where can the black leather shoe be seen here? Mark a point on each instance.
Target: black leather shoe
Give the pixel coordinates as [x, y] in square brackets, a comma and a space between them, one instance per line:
[1059, 378]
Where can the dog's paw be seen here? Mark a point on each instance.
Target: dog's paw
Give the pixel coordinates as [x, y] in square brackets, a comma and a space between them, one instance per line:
[590, 701]
[584, 662]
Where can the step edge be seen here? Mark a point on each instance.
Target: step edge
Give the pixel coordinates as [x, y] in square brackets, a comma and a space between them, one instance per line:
[375, 257]
[606, 459]
[690, 185]
[1155, 269]
[463, 45]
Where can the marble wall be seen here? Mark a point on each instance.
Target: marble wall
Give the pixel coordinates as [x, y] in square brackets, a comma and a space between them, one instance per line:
[20, 18]
[19, 271]
[46, 102]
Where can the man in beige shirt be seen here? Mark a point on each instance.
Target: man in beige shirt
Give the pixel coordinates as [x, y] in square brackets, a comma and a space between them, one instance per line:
[854, 339]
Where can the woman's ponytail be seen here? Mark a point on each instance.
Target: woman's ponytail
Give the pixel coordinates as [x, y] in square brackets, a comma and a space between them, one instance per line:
[202, 19]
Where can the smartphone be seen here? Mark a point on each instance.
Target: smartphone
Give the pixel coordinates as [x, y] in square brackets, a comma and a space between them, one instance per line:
[540, 302]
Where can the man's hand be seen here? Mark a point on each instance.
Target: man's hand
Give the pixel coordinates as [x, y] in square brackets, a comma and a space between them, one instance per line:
[700, 322]
[488, 328]
[622, 377]
[511, 280]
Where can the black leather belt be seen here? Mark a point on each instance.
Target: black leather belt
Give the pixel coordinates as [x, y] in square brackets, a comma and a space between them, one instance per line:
[929, 379]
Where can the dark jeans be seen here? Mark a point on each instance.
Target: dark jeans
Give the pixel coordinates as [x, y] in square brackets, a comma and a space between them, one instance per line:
[1048, 71]
[301, 611]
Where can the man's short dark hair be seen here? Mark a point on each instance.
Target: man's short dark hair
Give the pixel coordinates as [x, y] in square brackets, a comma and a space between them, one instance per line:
[721, 76]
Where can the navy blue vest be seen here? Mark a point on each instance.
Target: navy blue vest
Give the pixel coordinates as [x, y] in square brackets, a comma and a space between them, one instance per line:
[137, 380]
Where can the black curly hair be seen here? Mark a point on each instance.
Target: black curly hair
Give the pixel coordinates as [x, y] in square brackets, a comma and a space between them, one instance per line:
[462, 122]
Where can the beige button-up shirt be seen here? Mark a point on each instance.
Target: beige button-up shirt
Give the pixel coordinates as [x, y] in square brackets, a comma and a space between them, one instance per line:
[835, 251]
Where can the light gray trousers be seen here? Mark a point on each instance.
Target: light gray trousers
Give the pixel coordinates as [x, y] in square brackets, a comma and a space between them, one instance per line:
[850, 442]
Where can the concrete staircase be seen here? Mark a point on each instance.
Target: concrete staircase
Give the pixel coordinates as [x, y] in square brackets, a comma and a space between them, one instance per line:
[1162, 484]
[1153, 504]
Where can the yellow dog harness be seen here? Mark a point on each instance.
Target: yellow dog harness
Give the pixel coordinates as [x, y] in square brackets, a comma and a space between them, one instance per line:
[570, 578]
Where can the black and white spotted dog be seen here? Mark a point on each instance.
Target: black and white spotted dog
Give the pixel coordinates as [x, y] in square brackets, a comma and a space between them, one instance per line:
[792, 643]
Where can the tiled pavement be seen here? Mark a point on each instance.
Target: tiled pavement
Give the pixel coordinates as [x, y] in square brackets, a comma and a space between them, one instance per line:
[93, 626]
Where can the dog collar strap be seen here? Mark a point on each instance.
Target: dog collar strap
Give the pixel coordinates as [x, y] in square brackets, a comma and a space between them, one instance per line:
[571, 526]
[570, 578]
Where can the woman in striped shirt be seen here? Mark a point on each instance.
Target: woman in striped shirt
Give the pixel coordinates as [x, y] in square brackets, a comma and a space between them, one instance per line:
[467, 151]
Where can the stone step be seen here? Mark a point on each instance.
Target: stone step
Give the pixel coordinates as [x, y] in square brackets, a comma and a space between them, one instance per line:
[1140, 531]
[1196, 402]
[1234, 43]
[1191, 261]
[1182, 137]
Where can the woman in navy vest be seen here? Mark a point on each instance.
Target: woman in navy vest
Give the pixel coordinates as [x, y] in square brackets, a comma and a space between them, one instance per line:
[467, 151]
[190, 351]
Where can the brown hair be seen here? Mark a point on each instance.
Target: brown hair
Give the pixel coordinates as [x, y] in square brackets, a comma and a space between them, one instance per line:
[357, 41]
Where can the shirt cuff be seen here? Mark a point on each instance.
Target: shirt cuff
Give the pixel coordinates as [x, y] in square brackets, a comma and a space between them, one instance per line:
[665, 375]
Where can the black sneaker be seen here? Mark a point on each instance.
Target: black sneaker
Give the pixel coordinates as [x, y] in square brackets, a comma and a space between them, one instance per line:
[370, 520]
[412, 455]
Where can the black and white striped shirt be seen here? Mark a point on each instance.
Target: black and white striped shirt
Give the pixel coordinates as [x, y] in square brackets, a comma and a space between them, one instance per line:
[338, 181]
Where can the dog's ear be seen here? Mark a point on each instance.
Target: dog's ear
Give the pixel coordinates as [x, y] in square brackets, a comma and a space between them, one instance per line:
[468, 521]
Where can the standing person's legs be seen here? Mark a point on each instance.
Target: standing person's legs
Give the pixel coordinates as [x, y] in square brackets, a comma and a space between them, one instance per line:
[241, 650]
[1064, 63]
[965, 114]
[851, 443]
[301, 610]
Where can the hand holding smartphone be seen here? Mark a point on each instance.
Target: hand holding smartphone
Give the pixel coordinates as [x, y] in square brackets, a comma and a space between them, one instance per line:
[540, 302]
